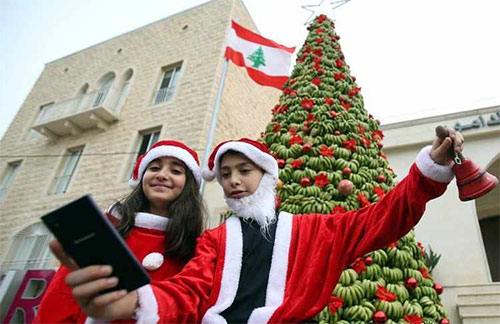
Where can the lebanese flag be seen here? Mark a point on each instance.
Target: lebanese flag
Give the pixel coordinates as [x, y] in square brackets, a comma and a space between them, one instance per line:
[267, 62]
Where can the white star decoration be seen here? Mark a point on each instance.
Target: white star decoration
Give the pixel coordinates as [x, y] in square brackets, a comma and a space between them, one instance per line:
[326, 9]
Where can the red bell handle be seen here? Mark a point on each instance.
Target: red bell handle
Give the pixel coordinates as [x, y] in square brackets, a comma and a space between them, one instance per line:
[442, 133]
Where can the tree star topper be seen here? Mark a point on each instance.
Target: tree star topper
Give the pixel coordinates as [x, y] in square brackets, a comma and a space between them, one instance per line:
[326, 9]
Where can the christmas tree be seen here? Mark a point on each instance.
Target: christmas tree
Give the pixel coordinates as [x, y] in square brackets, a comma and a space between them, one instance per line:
[329, 150]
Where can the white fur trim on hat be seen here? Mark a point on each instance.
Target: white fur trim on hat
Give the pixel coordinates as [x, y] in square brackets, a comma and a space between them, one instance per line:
[264, 160]
[172, 151]
[432, 170]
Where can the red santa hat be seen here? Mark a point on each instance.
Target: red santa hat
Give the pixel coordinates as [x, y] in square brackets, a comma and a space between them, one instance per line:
[257, 152]
[166, 148]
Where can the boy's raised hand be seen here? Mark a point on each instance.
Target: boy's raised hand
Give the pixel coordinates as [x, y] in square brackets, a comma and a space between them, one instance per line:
[441, 152]
[88, 282]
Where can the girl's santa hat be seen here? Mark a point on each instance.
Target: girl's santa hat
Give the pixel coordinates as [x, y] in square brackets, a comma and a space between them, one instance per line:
[162, 149]
[253, 150]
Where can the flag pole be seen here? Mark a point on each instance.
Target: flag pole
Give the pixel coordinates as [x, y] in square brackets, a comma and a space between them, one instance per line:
[213, 122]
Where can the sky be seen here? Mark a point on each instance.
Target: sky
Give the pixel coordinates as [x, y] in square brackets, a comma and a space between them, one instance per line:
[412, 58]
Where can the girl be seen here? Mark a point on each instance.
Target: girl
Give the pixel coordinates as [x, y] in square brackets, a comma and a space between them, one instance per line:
[160, 220]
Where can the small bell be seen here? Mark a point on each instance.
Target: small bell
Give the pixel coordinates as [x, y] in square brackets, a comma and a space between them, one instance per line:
[472, 181]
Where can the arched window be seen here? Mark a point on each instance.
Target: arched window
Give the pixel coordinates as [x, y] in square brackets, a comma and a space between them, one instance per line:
[124, 88]
[488, 213]
[29, 249]
[79, 97]
[104, 85]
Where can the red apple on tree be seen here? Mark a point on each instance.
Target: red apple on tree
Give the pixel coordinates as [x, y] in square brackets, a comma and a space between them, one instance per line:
[346, 187]
[306, 147]
[381, 178]
[411, 283]
[379, 317]
[439, 288]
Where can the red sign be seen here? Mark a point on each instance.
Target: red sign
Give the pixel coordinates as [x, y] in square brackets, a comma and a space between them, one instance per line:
[30, 294]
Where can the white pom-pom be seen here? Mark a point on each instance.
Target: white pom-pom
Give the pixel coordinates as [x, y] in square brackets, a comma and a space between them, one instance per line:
[152, 261]
[207, 174]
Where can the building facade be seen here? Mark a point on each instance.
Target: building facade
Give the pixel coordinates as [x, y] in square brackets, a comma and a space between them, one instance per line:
[90, 114]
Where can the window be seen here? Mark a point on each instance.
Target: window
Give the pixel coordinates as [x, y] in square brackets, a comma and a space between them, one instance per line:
[167, 85]
[104, 86]
[29, 249]
[147, 139]
[79, 98]
[61, 183]
[123, 90]
[8, 178]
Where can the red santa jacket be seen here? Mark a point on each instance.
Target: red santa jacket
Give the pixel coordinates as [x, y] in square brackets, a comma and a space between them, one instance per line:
[310, 252]
[147, 237]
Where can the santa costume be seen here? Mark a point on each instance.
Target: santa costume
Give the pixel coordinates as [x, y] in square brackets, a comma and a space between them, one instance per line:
[282, 268]
[146, 240]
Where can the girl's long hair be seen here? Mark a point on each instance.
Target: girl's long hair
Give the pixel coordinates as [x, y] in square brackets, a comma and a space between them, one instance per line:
[186, 217]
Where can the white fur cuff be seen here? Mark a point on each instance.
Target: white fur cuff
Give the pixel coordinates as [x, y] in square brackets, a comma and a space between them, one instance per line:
[432, 170]
[147, 310]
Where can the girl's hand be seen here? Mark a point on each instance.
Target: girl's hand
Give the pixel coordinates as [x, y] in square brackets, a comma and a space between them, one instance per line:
[441, 152]
[88, 282]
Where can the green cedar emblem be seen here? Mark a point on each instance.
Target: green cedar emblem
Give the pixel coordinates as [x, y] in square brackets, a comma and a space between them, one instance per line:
[257, 58]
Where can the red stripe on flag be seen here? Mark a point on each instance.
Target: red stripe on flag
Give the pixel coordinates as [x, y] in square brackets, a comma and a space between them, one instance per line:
[250, 36]
[256, 75]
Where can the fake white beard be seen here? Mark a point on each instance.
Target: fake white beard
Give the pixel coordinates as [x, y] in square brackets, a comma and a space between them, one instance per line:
[259, 206]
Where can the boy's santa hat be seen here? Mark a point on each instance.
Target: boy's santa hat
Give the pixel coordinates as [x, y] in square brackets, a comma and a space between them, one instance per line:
[162, 149]
[257, 152]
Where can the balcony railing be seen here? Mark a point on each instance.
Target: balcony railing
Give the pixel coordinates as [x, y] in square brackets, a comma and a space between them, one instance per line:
[96, 109]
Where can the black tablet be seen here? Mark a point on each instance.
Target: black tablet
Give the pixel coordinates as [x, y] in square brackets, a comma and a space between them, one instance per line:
[88, 236]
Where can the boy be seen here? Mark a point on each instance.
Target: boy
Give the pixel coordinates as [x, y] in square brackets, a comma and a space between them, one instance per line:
[259, 267]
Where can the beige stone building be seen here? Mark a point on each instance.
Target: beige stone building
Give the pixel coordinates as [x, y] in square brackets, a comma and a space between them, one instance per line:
[91, 113]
